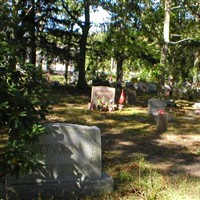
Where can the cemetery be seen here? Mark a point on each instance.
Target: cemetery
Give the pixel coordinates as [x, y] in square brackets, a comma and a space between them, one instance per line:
[99, 100]
[96, 153]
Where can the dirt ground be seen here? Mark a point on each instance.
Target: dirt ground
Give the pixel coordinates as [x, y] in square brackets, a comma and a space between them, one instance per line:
[182, 158]
[177, 151]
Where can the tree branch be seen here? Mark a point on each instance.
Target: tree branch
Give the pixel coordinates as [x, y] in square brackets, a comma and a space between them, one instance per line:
[181, 7]
[70, 14]
[177, 7]
[183, 40]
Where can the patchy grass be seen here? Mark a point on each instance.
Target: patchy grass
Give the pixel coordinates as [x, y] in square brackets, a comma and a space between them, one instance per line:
[57, 77]
[144, 164]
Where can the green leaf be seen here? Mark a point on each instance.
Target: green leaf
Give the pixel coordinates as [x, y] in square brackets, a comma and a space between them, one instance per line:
[23, 114]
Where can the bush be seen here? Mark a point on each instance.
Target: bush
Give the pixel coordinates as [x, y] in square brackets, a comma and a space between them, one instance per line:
[23, 105]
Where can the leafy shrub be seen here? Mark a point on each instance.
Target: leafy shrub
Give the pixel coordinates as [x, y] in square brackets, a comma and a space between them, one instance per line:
[23, 105]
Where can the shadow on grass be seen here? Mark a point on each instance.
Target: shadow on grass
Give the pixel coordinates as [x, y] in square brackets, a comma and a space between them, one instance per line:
[169, 158]
[131, 132]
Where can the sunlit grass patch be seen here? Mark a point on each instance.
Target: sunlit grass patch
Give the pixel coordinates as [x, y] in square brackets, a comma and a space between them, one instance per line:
[57, 77]
[183, 187]
[126, 134]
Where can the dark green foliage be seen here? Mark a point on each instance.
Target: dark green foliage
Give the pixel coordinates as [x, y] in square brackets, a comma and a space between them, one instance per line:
[23, 106]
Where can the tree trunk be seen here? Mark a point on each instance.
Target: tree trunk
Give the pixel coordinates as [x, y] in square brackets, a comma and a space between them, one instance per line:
[81, 61]
[164, 50]
[120, 61]
[32, 35]
[66, 71]
[82, 83]
[196, 67]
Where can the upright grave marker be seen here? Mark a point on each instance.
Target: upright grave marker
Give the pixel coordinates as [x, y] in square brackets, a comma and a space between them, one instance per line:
[130, 93]
[157, 107]
[154, 105]
[71, 157]
[104, 93]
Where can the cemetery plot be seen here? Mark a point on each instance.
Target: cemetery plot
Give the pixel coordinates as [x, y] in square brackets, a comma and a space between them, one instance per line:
[102, 97]
[154, 105]
[71, 158]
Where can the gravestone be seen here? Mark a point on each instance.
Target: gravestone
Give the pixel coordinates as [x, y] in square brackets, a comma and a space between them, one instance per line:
[152, 88]
[130, 93]
[154, 105]
[162, 122]
[196, 107]
[170, 103]
[72, 164]
[107, 94]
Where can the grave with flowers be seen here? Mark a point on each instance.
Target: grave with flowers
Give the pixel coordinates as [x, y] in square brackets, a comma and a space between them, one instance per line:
[154, 105]
[157, 108]
[103, 98]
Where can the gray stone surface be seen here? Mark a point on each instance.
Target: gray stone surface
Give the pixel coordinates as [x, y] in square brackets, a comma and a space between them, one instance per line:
[71, 157]
[131, 96]
[154, 105]
[196, 105]
[59, 190]
[151, 87]
[170, 103]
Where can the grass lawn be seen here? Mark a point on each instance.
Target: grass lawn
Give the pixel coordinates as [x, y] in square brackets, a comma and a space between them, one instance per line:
[144, 164]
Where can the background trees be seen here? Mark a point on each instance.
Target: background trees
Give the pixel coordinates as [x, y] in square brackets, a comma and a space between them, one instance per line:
[179, 16]
[134, 36]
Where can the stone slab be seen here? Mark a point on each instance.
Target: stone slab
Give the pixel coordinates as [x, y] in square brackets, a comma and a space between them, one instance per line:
[154, 105]
[68, 152]
[72, 161]
[59, 190]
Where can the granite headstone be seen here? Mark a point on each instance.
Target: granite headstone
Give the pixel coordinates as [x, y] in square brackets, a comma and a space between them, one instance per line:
[72, 163]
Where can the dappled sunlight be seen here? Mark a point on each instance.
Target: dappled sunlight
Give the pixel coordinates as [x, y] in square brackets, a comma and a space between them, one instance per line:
[126, 143]
[133, 131]
[190, 142]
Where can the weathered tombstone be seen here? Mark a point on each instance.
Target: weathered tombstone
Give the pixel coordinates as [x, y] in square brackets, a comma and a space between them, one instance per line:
[72, 164]
[104, 93]
[196, 105]
[130, 93]
[141, 87]
[152, 88]
[162, 122]
[154, 105]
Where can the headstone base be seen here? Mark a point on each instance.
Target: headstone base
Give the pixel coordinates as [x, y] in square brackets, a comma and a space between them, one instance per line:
[59, 189]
